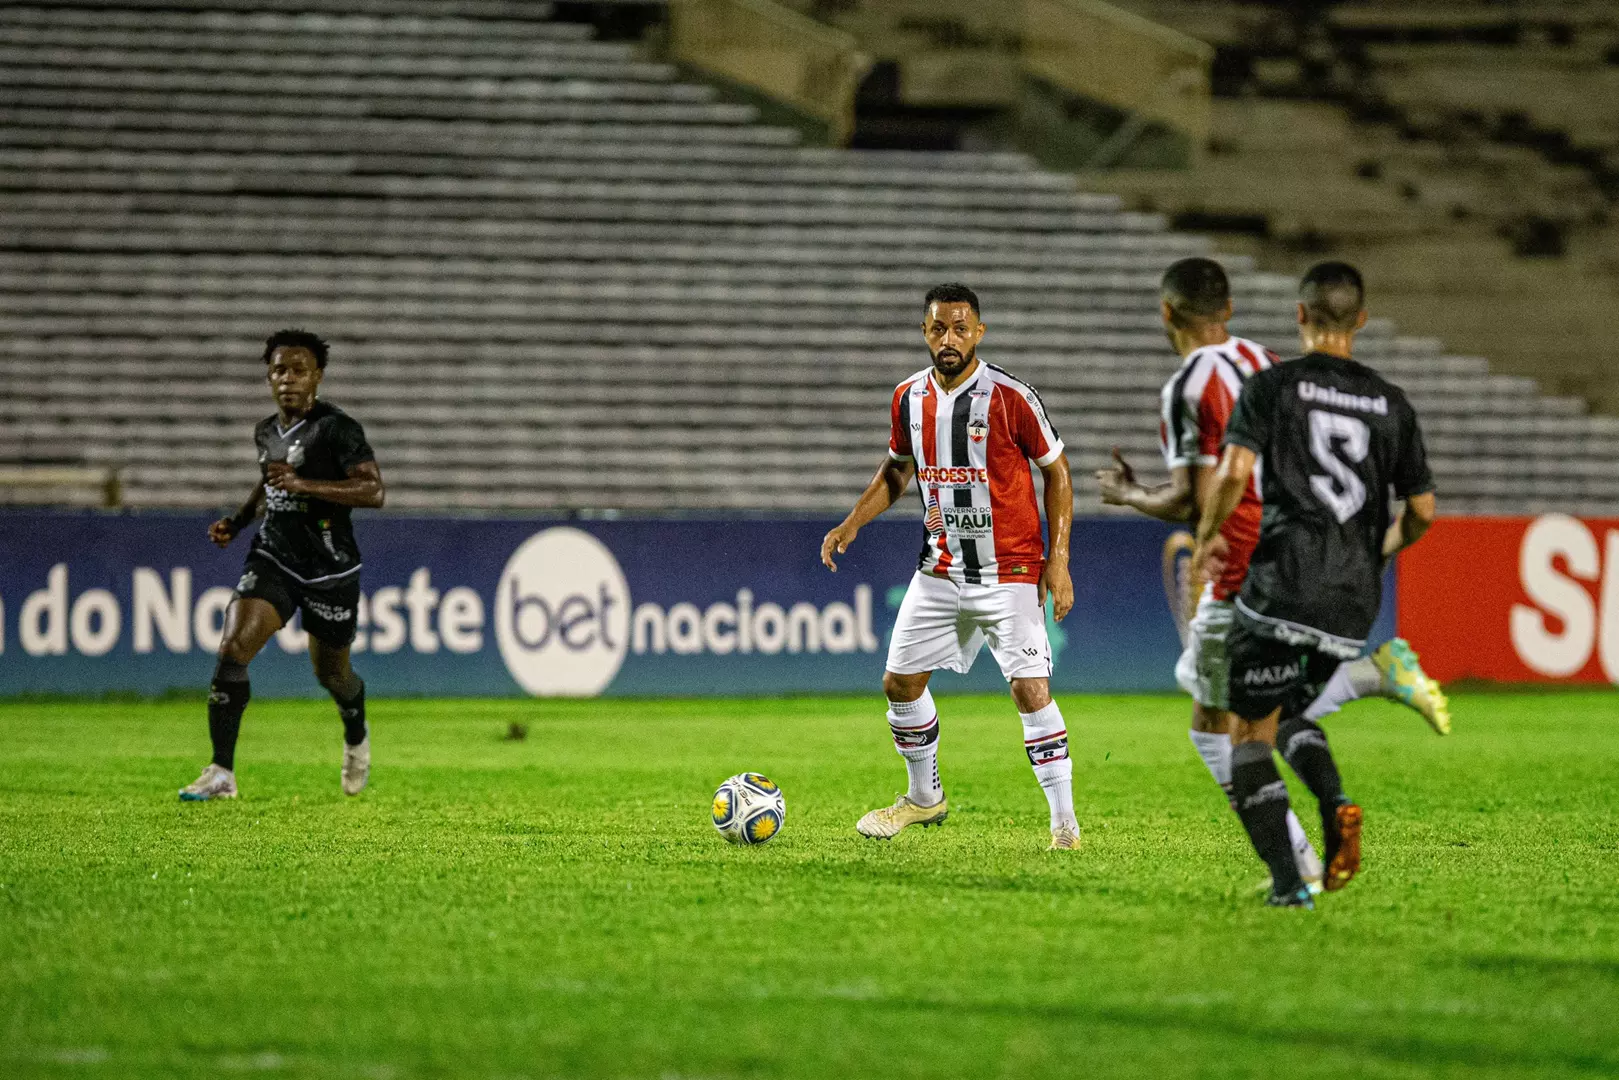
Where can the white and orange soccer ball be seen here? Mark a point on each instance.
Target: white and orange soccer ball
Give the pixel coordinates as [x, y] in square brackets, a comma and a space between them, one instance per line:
[749, 809]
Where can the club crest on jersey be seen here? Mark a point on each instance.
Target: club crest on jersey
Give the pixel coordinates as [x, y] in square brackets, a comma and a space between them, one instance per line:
[934, 520]
[978, 429]
[295, 454]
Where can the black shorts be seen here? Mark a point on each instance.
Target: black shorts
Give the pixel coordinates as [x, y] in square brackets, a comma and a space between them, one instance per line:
[1266, 674]
[331, 611]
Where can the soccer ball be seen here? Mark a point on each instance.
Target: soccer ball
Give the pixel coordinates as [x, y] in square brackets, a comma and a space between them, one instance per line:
[749, 809]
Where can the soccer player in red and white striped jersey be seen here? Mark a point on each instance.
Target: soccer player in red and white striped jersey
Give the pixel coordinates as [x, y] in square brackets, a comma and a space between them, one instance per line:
[967, 432]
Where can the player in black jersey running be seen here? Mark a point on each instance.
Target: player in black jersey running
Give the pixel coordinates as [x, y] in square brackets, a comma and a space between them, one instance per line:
[315, 466]
[1332, 439]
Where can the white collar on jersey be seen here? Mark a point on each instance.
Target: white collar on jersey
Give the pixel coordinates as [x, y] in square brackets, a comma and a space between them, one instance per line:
[1224, 349]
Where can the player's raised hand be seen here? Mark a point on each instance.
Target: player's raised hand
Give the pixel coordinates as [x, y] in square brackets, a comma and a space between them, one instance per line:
[222, 532]
[836, 542]
[1056, 583]
[1116, 480]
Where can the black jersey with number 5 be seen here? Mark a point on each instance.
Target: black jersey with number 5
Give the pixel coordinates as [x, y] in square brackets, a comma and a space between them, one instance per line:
[1333, 438]
[309, 538]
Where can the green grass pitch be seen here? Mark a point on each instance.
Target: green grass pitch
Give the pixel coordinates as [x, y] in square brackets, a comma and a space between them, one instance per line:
[561, 907]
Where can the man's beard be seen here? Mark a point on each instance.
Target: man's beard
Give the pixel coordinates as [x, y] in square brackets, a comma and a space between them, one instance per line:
[949, 363]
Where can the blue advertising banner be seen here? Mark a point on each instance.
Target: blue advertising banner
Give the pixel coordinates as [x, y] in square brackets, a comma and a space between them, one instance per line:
[99, 602]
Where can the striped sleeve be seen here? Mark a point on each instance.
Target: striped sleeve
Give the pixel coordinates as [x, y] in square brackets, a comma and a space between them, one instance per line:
[1179, 427]
[1214, 407]
[899, 433]
[1032, 428]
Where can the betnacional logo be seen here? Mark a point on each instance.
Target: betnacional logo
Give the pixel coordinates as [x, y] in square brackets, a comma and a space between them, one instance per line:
[562, 614]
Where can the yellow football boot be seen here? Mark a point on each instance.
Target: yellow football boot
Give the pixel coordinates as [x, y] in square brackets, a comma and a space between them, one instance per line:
[1406, 682]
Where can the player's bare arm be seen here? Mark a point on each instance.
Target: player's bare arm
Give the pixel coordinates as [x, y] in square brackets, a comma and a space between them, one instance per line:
[885, 489]
[363, 488]
[1230, 481]
[1415, 519]
[1055, 580]
[1174, 501]
[226, 529]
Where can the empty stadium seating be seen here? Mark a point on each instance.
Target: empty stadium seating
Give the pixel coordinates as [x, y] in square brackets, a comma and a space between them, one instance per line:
[556, 277]
[1465, 153]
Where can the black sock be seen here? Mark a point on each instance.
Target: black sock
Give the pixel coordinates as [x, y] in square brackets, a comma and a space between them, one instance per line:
[1262, 805]
[1304, 747]
[227, 700]
[351, 708]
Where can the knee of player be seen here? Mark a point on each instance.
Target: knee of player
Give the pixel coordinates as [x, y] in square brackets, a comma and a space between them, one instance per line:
[904, 687]
[236, 651]
[334, 678]
[1211, 721]
[1031, 695]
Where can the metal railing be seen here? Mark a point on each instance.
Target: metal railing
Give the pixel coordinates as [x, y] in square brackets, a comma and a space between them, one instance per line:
[810, 68]
[1095, 50]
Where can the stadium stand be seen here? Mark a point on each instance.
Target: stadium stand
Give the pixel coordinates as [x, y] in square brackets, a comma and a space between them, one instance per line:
[1465, 153]
[556, 277]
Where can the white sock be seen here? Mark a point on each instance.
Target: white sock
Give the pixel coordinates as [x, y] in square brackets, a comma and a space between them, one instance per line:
[1303, 853]
[1353, 680]
[915, 727]
[1045, 737]
[1214, 747]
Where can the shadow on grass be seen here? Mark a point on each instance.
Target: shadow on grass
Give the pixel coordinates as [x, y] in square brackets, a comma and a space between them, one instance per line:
[1394, 1048]
[1579, 967]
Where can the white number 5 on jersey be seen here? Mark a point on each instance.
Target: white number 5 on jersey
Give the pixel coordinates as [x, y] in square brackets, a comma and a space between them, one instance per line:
[1342, 491]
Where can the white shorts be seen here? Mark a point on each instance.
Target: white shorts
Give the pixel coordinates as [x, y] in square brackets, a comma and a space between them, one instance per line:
[942, 625]
[1203, 670]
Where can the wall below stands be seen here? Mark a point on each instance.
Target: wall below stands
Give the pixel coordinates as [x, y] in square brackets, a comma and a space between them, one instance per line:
[92, 602]
[96, 603]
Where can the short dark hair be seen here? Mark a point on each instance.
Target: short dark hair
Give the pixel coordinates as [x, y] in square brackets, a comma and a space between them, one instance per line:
[297, 339]
[1196, 290]
[1333, 296]
[951, 294]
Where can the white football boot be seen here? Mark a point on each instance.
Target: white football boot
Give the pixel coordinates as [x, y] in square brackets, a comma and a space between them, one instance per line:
[214, 783]
[885, 822]
[1064, 837]
[357, 765]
